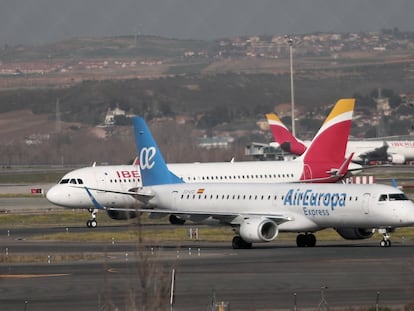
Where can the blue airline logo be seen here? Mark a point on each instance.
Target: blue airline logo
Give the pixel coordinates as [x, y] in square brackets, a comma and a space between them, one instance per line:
[146, 158]
[311, 199]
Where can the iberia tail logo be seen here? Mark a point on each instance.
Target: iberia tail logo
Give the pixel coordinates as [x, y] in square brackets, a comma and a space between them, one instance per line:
[327, 150]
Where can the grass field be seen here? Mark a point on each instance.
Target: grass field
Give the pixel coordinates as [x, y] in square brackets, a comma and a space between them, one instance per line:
[67, 219]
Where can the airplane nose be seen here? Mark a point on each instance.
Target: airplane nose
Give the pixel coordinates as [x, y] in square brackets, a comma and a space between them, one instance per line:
[53, 196]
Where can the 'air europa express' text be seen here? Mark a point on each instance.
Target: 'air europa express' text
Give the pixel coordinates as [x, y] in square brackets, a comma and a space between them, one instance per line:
[314, 199]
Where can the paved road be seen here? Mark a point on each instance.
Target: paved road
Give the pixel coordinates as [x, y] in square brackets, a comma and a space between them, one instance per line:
[90, 276]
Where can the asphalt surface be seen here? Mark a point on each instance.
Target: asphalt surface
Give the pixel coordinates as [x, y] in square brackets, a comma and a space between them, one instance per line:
[100, 276]
[53, 275]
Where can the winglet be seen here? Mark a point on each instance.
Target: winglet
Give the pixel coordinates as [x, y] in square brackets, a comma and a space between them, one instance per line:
[283, 136]
[154, 170]
[344, 167]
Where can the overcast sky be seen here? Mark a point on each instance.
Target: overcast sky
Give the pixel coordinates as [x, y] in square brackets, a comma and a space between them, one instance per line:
[42, 21]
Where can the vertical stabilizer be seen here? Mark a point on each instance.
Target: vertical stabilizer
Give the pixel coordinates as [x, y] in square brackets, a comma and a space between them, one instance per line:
[154, 170]
[283, 136]
[328, 147]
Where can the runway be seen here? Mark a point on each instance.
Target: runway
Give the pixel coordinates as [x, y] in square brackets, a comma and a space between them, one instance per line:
[52, 275]
[99, 276]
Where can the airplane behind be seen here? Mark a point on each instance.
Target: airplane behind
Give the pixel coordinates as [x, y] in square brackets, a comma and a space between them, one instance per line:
[365, 151]
[324, 161]
[258, 212]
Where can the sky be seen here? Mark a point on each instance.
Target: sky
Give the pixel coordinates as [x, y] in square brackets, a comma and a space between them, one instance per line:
[35, 22]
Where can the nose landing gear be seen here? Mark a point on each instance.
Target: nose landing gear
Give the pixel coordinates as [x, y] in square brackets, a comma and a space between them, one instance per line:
[92, 223]
[385, 242]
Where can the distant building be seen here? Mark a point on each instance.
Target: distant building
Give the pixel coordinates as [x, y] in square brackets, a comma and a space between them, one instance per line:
[215, 142]
[111, 114]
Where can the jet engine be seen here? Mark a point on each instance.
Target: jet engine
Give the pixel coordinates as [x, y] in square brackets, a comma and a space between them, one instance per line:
[121, 215]
[397, 158]
[355, 233]
[258, 230]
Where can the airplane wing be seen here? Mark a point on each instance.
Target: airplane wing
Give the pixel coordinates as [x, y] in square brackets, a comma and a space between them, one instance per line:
[144, 195]
[141, 194]
[231, 217]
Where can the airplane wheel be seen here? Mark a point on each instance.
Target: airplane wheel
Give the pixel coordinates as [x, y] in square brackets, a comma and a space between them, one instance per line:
[306, 240]
[385, 243]
[239, 243]
[310, 240]
[93, 223]
[301, 240]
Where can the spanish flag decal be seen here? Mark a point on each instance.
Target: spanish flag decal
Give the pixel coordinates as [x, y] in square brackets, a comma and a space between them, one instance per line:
[200, 191]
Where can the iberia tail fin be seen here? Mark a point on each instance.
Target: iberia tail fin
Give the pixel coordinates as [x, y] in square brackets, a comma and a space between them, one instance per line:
[154, 170]
[327, 149]
[283, 136]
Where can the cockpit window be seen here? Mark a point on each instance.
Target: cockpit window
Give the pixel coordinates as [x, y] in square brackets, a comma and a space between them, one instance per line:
[73, 181]
[80, 181]
[398, 197]
[383, 197]
[64, 181]
[393, 197]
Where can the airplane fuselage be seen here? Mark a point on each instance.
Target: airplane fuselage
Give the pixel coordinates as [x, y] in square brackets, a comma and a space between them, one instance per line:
[310, 207]
[70, 192]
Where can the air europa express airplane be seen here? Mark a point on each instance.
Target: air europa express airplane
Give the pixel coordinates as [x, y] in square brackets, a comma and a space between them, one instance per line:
[324, 161]
[258, 212]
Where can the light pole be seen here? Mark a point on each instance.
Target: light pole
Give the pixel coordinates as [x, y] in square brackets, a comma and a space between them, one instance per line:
[292, 93]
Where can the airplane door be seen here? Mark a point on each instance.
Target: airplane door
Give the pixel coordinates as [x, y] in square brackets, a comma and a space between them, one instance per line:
[101, 184]
[365, 203]
[100, 180]
[174, 199]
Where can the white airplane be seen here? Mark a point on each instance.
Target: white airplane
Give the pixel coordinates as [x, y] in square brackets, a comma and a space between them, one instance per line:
[258, 212]
[324, 161]
[365, 151]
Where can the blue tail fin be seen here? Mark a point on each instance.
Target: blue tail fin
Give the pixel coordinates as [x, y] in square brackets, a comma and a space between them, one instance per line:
[154, 170]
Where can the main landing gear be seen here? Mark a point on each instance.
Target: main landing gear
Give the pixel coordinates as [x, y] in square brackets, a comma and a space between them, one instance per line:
[385, 242]
[239, 243]
[92, 223]
[306, 240]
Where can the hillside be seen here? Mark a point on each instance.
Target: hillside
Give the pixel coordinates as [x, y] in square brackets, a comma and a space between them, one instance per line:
[224, 87]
